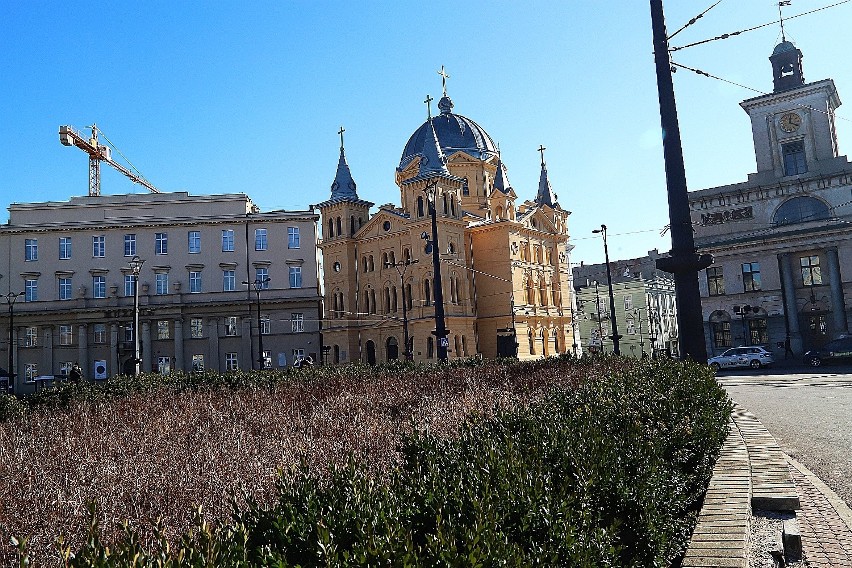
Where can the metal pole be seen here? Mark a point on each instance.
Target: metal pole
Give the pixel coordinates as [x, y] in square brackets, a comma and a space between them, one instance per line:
[683, 263]
[615, 337]
[598, 304]
[440, 325]
[136, 267]
[261, 360]
[10, 299]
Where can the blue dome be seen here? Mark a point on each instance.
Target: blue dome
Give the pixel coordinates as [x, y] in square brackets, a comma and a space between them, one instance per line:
[456, 133]
[782, 47]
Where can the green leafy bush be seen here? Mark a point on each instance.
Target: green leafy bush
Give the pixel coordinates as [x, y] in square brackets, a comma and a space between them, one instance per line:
[609, 473]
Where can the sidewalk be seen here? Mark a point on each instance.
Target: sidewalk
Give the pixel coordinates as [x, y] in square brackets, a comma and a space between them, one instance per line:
[753, 473]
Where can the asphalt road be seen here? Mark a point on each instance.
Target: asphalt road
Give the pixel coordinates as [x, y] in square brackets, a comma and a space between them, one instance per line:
[809, 411]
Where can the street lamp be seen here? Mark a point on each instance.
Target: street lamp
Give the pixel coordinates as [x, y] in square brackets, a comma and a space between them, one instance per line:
[615, 337]
[401, 268]
[10, 299]
[258, 285]
[135, 267]
[638, 312]
[440, 325]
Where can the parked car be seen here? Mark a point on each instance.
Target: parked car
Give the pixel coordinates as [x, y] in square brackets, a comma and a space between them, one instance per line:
[754, 357]
[833, 351]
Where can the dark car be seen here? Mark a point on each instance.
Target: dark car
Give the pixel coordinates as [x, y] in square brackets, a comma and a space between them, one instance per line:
[833, 351]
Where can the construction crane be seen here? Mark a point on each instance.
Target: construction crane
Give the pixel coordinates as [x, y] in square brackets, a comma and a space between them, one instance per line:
[98, 153]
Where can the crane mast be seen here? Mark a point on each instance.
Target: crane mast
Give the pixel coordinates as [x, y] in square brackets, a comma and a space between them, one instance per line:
[98, 153]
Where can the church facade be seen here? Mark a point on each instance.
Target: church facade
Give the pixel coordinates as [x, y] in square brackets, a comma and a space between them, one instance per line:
[504, 264]
[781, 240]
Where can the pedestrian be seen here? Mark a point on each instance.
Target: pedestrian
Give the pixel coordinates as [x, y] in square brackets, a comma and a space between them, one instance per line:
[76, 373]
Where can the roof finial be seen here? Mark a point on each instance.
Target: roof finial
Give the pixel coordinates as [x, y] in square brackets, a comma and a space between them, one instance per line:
[428, 102]
[542, 149]
[444, 78]
[781, 17]
[341, 131]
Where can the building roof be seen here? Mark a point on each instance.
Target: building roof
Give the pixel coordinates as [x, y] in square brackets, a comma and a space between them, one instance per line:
[455, 133]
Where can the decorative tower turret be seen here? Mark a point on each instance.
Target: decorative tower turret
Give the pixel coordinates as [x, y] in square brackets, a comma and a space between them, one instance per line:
[786, 62]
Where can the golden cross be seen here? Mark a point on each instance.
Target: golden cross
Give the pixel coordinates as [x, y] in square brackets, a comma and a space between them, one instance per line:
[444, 78]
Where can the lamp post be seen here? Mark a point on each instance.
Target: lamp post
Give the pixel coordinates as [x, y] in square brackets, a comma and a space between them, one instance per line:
[135, 267]
[258, 285]
[598, 307]
[638, 312]
[11, 297]
[615, 337]
[440, 325]
[401, 268]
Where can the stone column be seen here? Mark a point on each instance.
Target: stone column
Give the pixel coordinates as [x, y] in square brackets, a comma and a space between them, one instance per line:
[146, 355]
[83, 348]
[791, 309]
[179, 356]
[113, 350]
[838, 306]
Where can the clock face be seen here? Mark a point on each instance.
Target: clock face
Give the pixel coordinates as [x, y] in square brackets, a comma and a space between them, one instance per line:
[790, 122]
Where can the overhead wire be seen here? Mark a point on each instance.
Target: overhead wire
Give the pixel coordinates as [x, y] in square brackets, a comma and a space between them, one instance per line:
[693, 20]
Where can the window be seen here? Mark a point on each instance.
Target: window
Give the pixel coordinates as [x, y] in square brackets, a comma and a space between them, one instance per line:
[130, 245]
[66, 335]
[30, 249]
[715, 281]
[430, 347]
[129, 280]
[65, 368]
[261, 276]
[794, 158]
[64, 248]
[128, 332]
[194, 282]
[64, 288]
[164, 365]
[30, 290]
[628, 303]
[811, 275]
[295, 277]
[265, 325]
[162, 281]
[31, 337]
[161, 243]
[260, 239]
[163, 329]
[427, 293]
[30, 372]
[99, 246]
[293, 235]
[631, 326]
[231, 325]
[297, 322]
[298, 355]
[751, 276]
[194, 242]
[198, 363]
[266, 357]
[229, 281]
[196, 328]
[227, 240]
[721, 334]
[99, 333]
[758, 333]
[231, 362]
[99, 286]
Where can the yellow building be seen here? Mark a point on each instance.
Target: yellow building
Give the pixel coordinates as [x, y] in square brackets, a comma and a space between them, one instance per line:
[505, 267]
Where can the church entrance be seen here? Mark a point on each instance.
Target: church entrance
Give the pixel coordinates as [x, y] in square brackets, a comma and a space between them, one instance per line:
[507, 345]
[371, 352]
[392, 349]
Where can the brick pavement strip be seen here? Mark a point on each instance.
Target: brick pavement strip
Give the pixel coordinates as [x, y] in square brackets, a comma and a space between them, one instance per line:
[825, 521]
[720, 537]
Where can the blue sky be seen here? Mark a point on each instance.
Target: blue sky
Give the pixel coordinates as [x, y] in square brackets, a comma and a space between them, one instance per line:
[220, 97]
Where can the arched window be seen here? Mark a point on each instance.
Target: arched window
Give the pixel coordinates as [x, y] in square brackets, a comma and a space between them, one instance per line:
[331, 228]
[420, 206]
[384, 260]
[365, 264]
[366, 307]
[394, 307]
[458, 291]
[453, 291]
[498, 215]
[408, 299]
[339, 227]
[800, 210]
[464, 346]
[457, 346]
[406, 255]
[446, 204]
[453, 205]
[392, 257]
[372, 301]
[430, 347]
[427, 292]
[352, 225]
[387, 306]
[372, 265]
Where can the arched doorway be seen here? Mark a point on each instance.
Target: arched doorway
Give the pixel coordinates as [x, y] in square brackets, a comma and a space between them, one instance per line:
[371, 352]
[392, 349]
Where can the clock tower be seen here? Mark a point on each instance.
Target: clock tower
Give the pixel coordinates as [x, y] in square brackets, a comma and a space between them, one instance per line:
[793, 127]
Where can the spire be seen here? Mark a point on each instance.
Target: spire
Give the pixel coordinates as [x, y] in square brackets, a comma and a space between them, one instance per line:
[501, 179]
[343, 186]
[445, 105]
[545, 192]
[786, 60]
[432, 159]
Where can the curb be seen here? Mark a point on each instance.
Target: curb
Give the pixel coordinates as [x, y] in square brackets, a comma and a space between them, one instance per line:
[842, 509]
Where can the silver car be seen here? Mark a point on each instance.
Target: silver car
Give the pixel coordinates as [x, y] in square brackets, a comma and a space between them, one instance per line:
[754, 357]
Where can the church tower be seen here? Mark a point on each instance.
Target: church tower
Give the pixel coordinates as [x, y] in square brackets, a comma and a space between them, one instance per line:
[341, 217]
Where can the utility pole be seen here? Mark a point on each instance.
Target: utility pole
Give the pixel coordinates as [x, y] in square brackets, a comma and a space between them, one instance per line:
[615, 337]
[10, 299]
[438, 291]
[401, 268]
[684, 263]
[136, 267]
